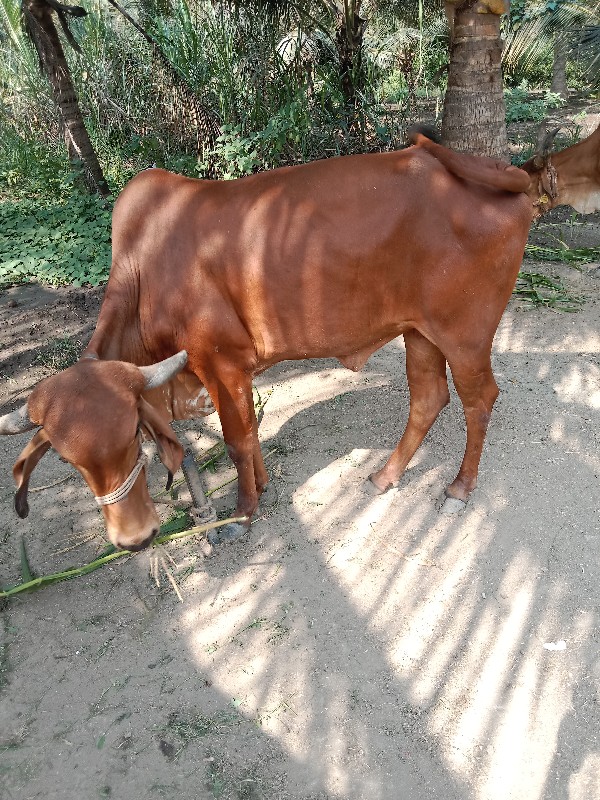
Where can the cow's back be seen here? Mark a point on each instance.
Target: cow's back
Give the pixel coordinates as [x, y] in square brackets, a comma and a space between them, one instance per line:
[321, 259]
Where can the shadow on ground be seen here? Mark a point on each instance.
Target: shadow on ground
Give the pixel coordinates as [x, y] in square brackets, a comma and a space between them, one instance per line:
[352, 647]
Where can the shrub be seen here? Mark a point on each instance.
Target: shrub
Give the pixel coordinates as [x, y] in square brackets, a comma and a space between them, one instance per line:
[521, 106]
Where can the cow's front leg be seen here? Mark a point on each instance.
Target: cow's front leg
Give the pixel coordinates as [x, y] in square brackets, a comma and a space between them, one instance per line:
[231, 392]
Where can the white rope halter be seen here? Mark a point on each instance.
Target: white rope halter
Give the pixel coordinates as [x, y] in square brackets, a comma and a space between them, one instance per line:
[125, 488]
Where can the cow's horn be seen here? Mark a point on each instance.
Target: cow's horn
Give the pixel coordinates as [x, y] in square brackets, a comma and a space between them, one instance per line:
[549, 140]
[545, 139]
[162, 371]
[16, 422]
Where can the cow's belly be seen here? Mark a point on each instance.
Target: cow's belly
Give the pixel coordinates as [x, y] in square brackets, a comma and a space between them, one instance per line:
[349, 339]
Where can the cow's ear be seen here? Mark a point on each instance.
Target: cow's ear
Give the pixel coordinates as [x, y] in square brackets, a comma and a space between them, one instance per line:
[24, 466]
[169, 449]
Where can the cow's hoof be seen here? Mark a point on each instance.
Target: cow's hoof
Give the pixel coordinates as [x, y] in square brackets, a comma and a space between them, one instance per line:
[372, 488]
[227, 533]
[452, 505]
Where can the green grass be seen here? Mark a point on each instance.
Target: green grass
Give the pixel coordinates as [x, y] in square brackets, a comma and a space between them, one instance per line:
[55, 241]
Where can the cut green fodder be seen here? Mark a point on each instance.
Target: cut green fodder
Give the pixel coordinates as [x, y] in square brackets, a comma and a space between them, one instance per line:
[160, 559]
[564, 254]
[31, 582]
[540, 290]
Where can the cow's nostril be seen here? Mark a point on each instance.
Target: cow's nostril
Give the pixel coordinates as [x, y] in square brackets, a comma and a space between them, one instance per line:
[135, 548]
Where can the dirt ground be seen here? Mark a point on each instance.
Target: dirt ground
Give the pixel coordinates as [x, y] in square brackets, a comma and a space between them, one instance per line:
[351, 647]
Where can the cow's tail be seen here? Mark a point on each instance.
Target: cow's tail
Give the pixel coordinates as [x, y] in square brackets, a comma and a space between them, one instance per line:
[487, 171]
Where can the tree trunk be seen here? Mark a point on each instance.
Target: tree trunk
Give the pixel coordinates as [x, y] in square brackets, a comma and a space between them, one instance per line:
[41, 28]
[559, 67]
[349, 41]
[474, 116]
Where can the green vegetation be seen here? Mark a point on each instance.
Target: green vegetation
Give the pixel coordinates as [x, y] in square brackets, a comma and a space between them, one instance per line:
[567, 255]
[54, 240]
[540, 290]
[521, 106]
[218, 89]
[30, 582]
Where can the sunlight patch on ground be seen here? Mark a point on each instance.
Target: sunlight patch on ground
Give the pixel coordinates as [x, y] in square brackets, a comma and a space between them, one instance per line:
[306, 388]
[496, 697]
[537, 700]
[585, 782]
[513, 336]
[575, 387]
[572, 444]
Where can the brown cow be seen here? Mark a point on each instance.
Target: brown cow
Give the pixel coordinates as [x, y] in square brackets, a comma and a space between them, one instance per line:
[332, 258]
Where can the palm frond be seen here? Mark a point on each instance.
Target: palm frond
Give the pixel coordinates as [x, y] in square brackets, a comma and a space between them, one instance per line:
[10, 22]
[573, 22]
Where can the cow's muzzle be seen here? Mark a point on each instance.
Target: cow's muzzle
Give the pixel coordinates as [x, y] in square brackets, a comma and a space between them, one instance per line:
[135, 548]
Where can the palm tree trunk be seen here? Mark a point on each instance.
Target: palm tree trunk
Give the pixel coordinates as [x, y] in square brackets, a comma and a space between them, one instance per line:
[474, 115]
[349, 41]
[41, 28]
[559, 67]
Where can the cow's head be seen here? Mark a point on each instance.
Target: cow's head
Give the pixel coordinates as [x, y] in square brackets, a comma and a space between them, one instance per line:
[569, 177]
[93, 414]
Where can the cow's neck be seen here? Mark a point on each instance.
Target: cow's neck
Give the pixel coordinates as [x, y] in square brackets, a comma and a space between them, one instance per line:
[117, 336]
[578, 175]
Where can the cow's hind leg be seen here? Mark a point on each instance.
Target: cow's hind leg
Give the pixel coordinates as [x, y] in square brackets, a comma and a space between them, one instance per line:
[426, 373]
[477, 389]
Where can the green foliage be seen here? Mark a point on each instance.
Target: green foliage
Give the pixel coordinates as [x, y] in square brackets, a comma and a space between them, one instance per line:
[535, 26]
[54, 241]
[393, 87]
[521, 106]
[233, 156]
[274, 105]
[236, 154]
[29, 166]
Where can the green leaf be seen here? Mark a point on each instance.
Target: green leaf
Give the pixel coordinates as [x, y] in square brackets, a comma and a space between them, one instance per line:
[27, 573]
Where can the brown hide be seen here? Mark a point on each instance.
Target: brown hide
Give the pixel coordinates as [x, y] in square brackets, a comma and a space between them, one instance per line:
[154, 426]
[570, 177]
[332, 258]
[24, 466]
[483, 170]
[91, 414]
